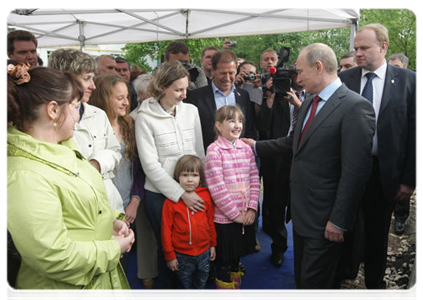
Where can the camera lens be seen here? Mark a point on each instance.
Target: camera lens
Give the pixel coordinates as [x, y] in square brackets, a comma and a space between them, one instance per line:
[250, 76]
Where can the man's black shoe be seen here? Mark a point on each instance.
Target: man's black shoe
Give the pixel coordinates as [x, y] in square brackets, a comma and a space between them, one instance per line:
[277, 259]
[399, 227]
[381, 296]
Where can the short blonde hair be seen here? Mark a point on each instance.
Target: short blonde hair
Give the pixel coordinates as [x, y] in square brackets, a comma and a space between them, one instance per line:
[382, 34]
[164, 76]
[73, 61]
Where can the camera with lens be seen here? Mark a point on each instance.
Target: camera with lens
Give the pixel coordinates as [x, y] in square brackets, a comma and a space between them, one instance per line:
[251, 76]
[281, 74]
[232, 44]
[192, 70]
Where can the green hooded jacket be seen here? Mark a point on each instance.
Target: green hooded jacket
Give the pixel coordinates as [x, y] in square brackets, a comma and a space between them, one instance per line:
[59, 216]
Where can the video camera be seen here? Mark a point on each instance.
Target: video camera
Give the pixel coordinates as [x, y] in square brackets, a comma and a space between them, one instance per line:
[192, 70]
[281, 74]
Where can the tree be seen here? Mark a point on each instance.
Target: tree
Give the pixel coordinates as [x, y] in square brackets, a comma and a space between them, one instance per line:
[401, 24]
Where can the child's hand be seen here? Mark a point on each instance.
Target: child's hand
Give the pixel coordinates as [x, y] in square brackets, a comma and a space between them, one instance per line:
[212, 253]
[173, 265]
[239, 219]
[250, 217]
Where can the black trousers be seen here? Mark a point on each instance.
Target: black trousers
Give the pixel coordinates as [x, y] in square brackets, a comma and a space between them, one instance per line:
[377, 219]
[315, 262]
[275, 200]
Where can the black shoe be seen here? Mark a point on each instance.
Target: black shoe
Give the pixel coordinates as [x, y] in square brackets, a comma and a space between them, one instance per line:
[242, 268]
[381, 296]
[277, 259]
[399, 227]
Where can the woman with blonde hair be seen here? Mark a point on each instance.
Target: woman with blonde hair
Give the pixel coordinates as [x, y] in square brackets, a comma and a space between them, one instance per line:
[166, 128]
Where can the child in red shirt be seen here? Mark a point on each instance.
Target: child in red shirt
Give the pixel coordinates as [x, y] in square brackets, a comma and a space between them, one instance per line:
[188, 237]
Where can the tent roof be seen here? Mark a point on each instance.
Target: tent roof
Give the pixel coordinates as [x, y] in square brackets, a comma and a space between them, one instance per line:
[68, 27]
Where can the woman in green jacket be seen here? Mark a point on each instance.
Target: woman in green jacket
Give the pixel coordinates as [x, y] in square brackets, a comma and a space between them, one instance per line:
[58, 210]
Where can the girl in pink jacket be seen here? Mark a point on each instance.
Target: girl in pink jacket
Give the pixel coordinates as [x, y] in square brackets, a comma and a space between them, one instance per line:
[233, 181]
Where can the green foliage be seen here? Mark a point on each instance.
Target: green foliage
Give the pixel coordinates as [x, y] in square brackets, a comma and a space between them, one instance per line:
[401, 24]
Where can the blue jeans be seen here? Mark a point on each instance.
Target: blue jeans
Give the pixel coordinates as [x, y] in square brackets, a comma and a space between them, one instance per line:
[193, 270]
[153, 205]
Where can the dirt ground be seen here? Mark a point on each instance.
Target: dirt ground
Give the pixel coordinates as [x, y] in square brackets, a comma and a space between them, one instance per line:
[400, 271]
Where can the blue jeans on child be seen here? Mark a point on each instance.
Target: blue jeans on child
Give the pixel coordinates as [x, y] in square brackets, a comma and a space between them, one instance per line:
[193, 270]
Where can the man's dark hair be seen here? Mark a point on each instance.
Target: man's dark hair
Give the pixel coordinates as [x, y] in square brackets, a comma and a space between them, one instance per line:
[175, 48]
[224, 56]
[121, 60]
[19, 35]
[349, 54]
[206, 49]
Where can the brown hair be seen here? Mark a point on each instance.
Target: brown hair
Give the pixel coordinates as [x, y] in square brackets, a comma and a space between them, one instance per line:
[101, 97]
[189, 163]
[19, 35]
[45, 85]
[207, 49]
[164, 76]
[227, 112]
[223, 56]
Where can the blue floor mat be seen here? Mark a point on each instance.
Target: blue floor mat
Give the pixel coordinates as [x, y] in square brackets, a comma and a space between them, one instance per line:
[260, 273]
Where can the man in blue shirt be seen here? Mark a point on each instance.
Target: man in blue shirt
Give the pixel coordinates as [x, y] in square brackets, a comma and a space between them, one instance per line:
[222, 92]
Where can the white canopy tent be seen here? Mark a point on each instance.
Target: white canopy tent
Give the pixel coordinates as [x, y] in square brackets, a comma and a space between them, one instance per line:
[72, 27]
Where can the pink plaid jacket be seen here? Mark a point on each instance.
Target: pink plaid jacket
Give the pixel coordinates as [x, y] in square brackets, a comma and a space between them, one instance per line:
[232, 178]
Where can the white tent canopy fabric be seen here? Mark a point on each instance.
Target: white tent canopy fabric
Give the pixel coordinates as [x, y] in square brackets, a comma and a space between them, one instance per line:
[73, 27]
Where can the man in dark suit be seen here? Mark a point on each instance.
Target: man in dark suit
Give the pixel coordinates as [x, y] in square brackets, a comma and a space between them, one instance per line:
[392, 91]
[222, 92]
[275, 120]
[331, 148]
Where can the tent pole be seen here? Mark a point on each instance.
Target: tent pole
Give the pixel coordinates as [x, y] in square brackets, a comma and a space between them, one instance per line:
[353, 31]
[81, 36]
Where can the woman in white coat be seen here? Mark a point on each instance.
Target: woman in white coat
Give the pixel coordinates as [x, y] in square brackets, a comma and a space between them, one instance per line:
[93, 135]
[165, 130]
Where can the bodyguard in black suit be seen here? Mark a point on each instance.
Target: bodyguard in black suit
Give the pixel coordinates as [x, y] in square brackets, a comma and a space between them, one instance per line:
[393, 94]
[331, 165]
[224, 66]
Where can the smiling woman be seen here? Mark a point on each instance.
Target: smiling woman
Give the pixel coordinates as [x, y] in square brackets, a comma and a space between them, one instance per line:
[83, 247]
[94, 135]
[166, 129]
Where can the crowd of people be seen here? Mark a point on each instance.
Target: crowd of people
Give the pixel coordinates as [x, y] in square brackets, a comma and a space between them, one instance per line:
[173, 161]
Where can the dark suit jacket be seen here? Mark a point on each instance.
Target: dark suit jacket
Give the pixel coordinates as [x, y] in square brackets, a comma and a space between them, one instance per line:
[396, 126]
[331, 166]
[273, 123]
[203, 99]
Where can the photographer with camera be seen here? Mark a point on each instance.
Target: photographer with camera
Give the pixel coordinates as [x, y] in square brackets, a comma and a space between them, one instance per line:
[248, 79]
[275, 120]
[179, 51]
